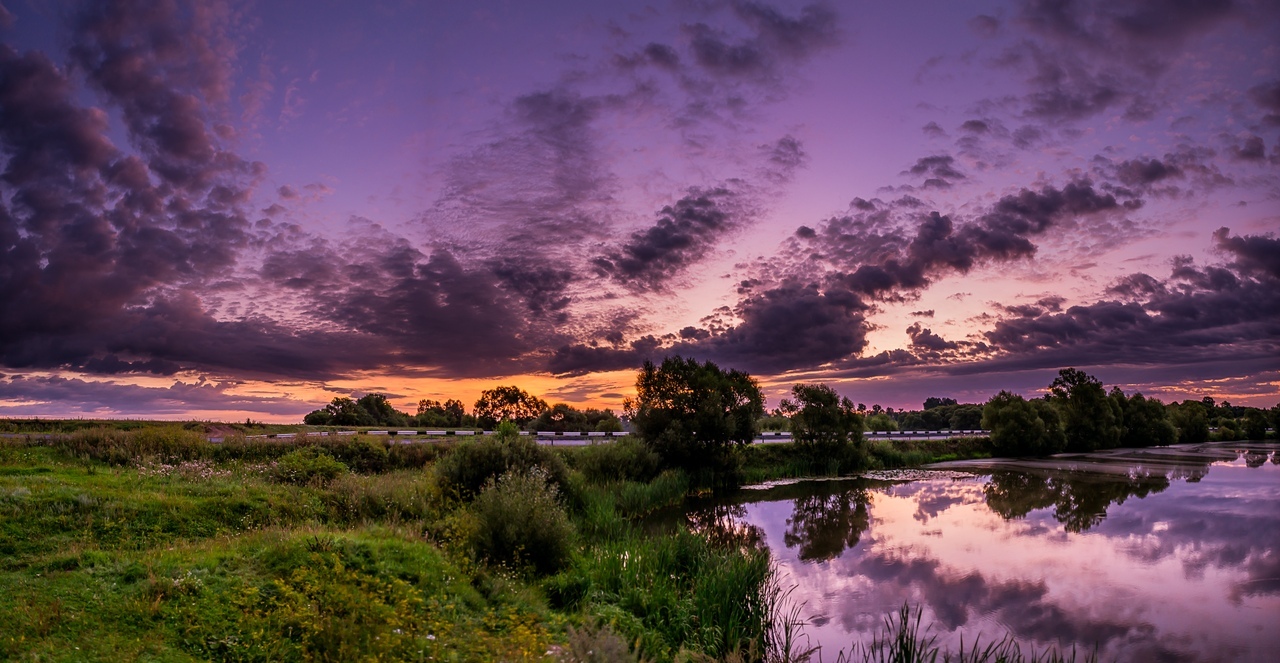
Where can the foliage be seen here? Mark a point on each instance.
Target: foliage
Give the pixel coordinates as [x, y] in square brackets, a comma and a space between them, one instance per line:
[823, 424]
[307, 465]
[449, 414]
[1255, 424]
[562, 417]
[469, 466]
[370, 410]
[1190, 420]
[1146, 421]
[520, 522]
[693, 413]
[507, 404]
[1088, 418]
[624, 460]
[934, 401]
[881, 421]
[1022, 428]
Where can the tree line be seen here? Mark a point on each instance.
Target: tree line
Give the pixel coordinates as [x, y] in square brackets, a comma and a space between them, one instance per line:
[504, 403]
[692, 414]
[1077, 414]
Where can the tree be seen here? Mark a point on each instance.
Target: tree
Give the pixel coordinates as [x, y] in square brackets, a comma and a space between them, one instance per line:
[507, 404]
[822, 422]
[1255, 424]
[881, 422]
[692, 413]
[448, 414]
[378, 411]
[339, 412]
[1191, 421]
[1088, 418]
[933, 401]
[1146, 423]
[1020, 427]
[561, 417]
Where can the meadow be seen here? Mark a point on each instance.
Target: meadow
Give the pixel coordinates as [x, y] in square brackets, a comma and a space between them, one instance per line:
[152, 543]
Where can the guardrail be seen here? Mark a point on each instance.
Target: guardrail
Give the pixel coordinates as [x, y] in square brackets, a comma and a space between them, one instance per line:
[580, 438]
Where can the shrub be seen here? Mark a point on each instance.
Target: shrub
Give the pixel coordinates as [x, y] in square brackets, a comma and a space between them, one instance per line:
[624, 460]
[520, 522]
[307, 465]
[472, 464]
[362, 454]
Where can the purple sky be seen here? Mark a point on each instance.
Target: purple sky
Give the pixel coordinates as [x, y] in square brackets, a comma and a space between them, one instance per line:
[225, 210]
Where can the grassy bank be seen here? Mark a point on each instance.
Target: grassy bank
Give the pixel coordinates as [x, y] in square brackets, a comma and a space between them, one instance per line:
[765, 462]
[155, 544]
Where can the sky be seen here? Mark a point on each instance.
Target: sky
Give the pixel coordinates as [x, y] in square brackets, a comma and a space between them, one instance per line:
[230, 210]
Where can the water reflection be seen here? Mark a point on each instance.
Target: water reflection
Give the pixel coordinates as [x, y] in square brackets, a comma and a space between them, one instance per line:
[1155, 554]
[1079, 501]
[823, 526]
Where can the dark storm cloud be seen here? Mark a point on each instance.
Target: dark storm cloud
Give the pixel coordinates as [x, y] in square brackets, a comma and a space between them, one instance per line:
[76, 397]
[1195, 315]
[96, 239]
[684, 233]
[111, 259]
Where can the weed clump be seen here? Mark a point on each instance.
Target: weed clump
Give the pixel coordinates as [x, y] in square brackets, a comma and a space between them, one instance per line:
[308, 465]
[625, 460]
[519, 521]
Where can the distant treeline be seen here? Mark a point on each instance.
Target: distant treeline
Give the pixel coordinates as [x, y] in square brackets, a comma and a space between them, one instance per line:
[508, 403]
[1077, 414]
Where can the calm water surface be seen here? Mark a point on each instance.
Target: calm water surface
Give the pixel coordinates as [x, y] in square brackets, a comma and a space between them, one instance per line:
[1147, 555]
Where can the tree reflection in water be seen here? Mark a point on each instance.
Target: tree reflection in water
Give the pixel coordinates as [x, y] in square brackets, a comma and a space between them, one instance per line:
[1079, 501]
[823, 526]
[725, 525]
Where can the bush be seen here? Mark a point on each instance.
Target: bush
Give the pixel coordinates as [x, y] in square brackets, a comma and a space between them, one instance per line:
[823, 424]
[307, 465]
[362, 454]
[472, 464]
[624, 460]
[520, 522]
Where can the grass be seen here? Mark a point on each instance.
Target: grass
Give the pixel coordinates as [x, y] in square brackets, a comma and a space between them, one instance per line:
[151, 543]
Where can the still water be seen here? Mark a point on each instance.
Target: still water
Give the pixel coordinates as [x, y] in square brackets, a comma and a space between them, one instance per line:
[1144, 555]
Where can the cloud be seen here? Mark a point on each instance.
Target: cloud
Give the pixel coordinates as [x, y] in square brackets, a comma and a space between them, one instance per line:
[775, 38]
[939, 171]
[58, 396]
[685, 232]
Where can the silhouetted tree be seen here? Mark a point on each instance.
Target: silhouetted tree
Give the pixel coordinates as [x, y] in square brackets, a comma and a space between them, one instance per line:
[692, 413]
[823, 423]
[933, 401]
[449, 414]
[1191, 421]
[1146, 422]
[1255, 424]
[507, 404]
[1022, 428]
[1088, 417]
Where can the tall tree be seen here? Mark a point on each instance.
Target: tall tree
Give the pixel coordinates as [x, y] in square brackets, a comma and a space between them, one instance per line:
[822, 422]
[692, 413]
[1088, 417]
[507, 404]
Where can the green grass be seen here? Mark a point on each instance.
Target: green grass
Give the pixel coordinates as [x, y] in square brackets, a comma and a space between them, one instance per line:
[154, 544]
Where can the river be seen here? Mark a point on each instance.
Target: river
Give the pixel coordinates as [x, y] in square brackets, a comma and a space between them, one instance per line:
[1140, 555]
